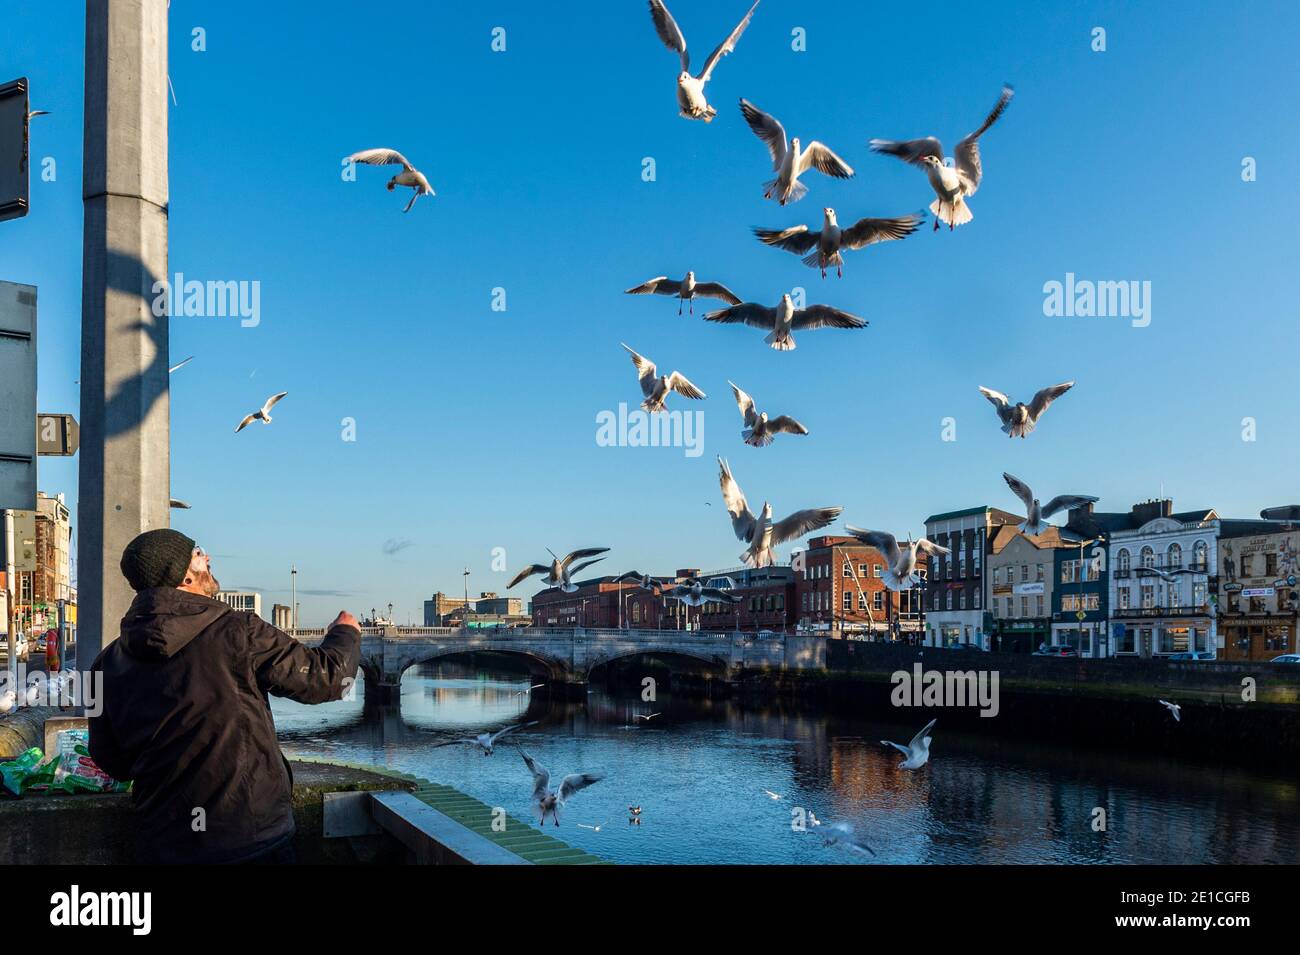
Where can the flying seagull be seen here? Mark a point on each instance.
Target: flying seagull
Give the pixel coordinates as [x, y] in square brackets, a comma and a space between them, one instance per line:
[647, 717]
[1173, 708]
[643, 581]
[559, 572]
[686, 290]
[823, 248]
[535, 686]
[37, 112]
[547, 801]
[900, 562]
[485, 742]
[789, 161]
[695, 594]
[263, 414]
[656, 387]
[1019, 420]
[759, 430]
[181, 365]
[952, 184]
[771, 794]
[761, 533]
[784, 318]
[179, 504]
[841, 834]
[409, 176]
[1039, 513]
[690, 89]
[917, 751]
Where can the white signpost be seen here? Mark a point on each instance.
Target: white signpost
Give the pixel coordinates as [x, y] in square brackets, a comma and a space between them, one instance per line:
[17, 427]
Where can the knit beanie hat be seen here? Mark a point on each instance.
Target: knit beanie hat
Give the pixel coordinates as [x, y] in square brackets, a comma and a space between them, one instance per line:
[158, 558]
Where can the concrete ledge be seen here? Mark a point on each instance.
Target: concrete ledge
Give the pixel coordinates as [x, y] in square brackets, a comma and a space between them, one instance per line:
[434, 838]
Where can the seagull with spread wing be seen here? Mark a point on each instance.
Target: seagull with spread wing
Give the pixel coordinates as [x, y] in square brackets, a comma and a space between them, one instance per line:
[952, 184]
[559, 573]
[900, 562]
[643, 581]
[1020, 419]
[485, 742]
[784, 318]
[656, 387]
[686, 290]
[761, 533]
[917, 751]
[409, 176]
[690, 89]
[182, 364]
[823, 248]
[788, 158]
[759, 429]
[1173, 708]
[695, 594]
[547, 801]
[1037, 514]
[262, 414]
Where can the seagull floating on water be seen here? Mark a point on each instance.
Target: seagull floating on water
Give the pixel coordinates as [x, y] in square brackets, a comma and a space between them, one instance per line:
[656, 387]
[690, 89]
[547, 801]
[823, 248]
[485, 742]
[784, 319]
[917, 751]
[263, 414]
[409, 176]
[559, 572]
[1038, 514]
[952, 184]
[788, 159]
[900, 562]
[771, 794]
[1019, 420]
[686, 290]
[761, 533]
[1173, 708]
[759, 430]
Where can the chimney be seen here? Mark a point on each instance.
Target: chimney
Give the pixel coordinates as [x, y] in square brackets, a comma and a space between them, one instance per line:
[1150, 510]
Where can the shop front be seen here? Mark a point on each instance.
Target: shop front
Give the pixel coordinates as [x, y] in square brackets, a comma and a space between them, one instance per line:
[1020, 636]
[1248, 637]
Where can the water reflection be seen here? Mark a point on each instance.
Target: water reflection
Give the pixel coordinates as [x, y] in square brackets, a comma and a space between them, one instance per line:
[699, 770]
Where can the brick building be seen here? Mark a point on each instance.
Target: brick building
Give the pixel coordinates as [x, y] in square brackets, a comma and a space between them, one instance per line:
[956, 600]
[840, 591]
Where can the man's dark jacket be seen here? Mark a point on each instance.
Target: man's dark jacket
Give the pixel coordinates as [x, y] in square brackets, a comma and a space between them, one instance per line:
[185, 715]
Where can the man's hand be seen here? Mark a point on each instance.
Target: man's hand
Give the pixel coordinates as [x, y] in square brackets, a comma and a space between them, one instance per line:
[345, 619]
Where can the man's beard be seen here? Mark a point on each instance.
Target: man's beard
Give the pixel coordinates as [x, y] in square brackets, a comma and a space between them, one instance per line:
[209, 584]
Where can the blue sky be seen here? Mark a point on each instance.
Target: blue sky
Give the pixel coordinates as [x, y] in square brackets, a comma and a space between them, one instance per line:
[476, 428]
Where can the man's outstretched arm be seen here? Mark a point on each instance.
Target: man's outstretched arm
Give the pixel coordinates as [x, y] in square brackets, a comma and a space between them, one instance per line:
[284, 667]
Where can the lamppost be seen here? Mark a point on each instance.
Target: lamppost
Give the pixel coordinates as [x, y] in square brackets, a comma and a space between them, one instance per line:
[293, 598]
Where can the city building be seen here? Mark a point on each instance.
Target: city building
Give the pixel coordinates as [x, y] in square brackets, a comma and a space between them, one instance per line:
[281, 617]
[43, 565]
[1258, 599]
[436, 609]
[241, 600]
[1022, 574]
[767, 599]
[840, 592]
[1081, 599]
[955, 598]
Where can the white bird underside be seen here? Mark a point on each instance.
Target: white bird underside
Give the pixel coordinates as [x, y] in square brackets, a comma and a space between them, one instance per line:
[691, 101]
[263, 414]
[789, 159]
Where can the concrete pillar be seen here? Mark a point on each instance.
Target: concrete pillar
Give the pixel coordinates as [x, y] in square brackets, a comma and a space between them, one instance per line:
[125, 461]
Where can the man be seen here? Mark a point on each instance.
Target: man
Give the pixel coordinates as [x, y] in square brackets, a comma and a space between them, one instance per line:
[186, 714]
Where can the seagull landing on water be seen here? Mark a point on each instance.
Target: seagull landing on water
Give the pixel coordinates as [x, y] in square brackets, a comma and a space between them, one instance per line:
[1173, 708]
[841, 834]
[690, 89]
[900, 562]
[917, 751]
[559, 572]
[409, 176]
[759, 430]
[656, 387]
[262, 414]
[788, 159]
[823, 248]
[686, 290]
[761, 533]
[951, 184]
[784, 319]
[695, 594]
[485, 742]
[1020, 419]
[1038, 513]
[547, 801]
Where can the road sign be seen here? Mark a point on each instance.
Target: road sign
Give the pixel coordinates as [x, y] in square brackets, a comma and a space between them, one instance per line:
[14, 110]
[17, 396]
[1080, 616]
[57, 434]
[24, 541]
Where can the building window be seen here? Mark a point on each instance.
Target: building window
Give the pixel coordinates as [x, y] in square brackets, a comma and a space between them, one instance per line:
[862, 570]
[1040, 605]
[949, 607]
[961, 600]
[1148, 597]
[1175, 556]
[1122, 561]
[1040, 573]
[1024, 572]
[977, 598]
[847, 602]
[1200, 556]
[1148, 557]
[877, 570]
[878, 600]
[848, 570]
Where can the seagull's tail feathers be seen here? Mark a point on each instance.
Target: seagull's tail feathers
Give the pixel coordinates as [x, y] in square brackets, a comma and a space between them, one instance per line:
[780, 344]
[892, 580]
[757, 441]
[952, 213]
[814, 259]
[652, 406]
[772, 190]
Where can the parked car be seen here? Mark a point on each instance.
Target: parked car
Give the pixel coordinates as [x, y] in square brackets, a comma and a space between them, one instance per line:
[1061, 651]
[1192, 655]
[1286, 658]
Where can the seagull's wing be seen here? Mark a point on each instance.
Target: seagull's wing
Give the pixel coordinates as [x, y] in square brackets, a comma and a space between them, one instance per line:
[645, 371]
[898, 746]
[882, 541]
[669, 31]
[999, 400]
[630, 575]
[1064, 502]
[931, 548]
[381, 157]
[679, 383]
[717, 290]
[748, 313]
[528, 572]
[541, 778]
[177, 503]
[796, 239]
[784, 424]
[584, 565]
[1046, 397]
[1021, 489]
[820, 157]
[510, 729]
[866, 231]
[967, 154]
[802, 522]
[660, 285]
[725, 47]
[822, 316]
[742, 518]
[575, 782]
[721, 596]
[181, 365]
[745, 404]
[245, 423]
[582, 552]
[766, 128]
[272, 401]
[455, 742]
[909, 150]
[916, 740]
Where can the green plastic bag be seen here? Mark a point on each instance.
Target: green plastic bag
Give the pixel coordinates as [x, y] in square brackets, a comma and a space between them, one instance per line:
[31, 770]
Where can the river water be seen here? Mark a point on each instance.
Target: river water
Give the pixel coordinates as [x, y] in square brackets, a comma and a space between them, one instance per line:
[700, 769]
